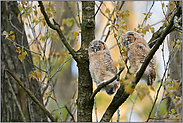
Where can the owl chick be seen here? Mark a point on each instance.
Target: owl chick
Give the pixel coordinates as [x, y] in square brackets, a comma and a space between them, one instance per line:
[138, 49]
[101, 68]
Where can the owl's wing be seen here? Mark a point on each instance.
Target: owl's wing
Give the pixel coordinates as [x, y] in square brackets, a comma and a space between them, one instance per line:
[109, 64]
[143, 51]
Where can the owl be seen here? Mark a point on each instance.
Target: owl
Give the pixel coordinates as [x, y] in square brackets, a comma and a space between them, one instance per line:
[138, 49]
[101, 65]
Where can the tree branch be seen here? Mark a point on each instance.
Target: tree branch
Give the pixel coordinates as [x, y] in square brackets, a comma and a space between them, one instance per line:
[121, 94]
[104, 84]
[32, 96]
[57, 28]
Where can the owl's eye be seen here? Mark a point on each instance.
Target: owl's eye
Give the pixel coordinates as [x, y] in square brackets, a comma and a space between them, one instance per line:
[129, 38]
[99, 46]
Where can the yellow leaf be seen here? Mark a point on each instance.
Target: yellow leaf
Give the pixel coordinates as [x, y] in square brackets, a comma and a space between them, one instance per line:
[129, 89]
[20, 8]
[11, 32]
[152, 88]
[12, 37]
[29, 36]
[22, 56]
[179, 103]
[76, 34]
[163, 5]
[19, 18]
[141, 95]
[18, 49]
[5, 33]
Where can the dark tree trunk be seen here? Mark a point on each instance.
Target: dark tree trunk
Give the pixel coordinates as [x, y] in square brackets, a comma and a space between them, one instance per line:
[85, 86]
[9, 60]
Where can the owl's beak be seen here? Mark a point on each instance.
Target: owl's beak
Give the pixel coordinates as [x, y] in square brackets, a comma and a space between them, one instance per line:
[95, 50]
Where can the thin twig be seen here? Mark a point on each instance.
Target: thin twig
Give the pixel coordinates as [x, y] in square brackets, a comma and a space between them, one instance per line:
[159, 105]
[78, 13]
[114, 21]
[60, 67]
[102, 12]
[16, 101]
[35, 66]
[32, 96]
[107, 23]
[158, 90]
[132, 108]
[148, 13]
[72, 14]
[23, 47]
[57, 103]
[98, 8]
[70, 113]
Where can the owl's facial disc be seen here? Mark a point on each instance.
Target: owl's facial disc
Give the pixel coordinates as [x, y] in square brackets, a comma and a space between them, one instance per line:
[129, 39]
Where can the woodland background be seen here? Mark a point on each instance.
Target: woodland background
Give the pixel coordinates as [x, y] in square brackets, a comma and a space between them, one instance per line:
[41, 59]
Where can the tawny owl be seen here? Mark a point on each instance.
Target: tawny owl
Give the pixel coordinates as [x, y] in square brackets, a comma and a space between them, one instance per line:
[138, 49]
[101, 65]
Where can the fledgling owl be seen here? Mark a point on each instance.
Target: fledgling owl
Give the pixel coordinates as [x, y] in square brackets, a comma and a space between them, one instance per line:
[138, 49]
[101, 65]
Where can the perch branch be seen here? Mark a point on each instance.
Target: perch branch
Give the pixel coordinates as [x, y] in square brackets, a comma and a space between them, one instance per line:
[32, 96]
[56, 27]
[105, 83]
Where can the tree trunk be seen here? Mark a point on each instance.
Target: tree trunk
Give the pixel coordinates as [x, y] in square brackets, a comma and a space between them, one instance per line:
[15, 103]
[85, 86]
[175, 68]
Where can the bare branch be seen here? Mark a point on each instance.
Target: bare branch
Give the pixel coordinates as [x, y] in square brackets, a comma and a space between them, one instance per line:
[32, 96]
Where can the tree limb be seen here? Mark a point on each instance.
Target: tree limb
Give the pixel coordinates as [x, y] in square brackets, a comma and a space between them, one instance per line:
[104, 84]
[57, 28]
[121, 94]
[32, 96]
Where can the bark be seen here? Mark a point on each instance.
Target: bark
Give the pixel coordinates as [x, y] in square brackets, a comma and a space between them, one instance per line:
[175, 67]
[85, 86]
[9, 60]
